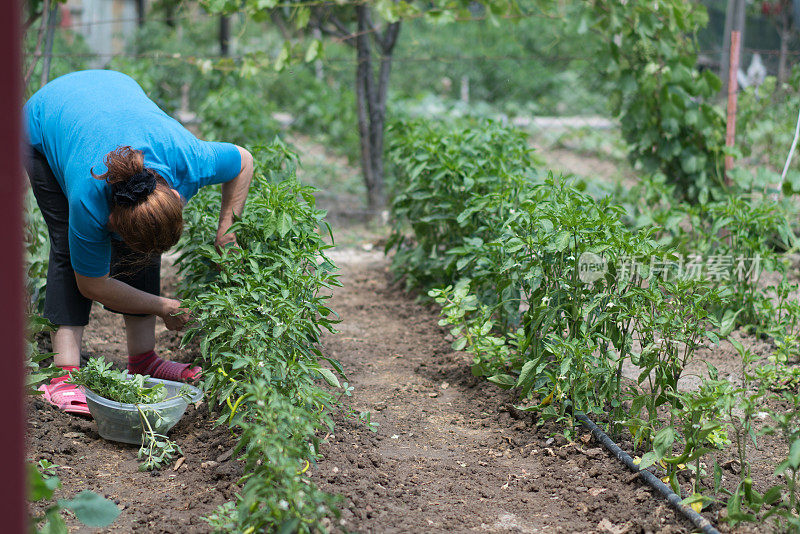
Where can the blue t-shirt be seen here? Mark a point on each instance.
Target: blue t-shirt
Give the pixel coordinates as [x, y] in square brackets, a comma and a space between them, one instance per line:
[75, 120]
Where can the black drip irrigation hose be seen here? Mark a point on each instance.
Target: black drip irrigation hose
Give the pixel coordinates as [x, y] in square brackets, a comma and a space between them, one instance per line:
[674, 499]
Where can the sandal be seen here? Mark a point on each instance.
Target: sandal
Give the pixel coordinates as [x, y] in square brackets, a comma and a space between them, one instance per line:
[66, 397]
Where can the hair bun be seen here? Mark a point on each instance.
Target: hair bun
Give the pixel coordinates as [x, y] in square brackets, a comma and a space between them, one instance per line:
[135, 189]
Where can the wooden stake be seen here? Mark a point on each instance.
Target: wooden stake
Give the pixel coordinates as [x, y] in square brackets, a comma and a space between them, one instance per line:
[733, 87]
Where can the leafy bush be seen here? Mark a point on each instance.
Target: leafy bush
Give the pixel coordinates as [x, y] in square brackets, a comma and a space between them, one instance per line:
[766, 119]
[239, 115]
[476, 216]
[665, 106]
[749, 233]
[451, 194]
[259, 311]
[324, 109]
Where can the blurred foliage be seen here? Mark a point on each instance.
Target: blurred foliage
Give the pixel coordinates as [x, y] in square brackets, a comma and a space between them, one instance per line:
[556, 60]
[70, 53]
[766, 119]
[532, 64]
[164, 77]
[665, 106]
[37, 254]
[324, 108]
[238, 115]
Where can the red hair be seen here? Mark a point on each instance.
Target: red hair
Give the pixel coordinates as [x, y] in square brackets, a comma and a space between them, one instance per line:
[148, 217]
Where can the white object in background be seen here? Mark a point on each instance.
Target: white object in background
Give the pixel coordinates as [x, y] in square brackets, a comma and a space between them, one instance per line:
[791, 150]
[756, 73]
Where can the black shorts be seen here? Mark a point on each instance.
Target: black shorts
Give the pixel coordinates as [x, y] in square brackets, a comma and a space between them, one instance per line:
[63, 302]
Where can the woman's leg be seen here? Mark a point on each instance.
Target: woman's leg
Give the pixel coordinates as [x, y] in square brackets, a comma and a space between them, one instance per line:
[144, 274]
[64, 305]
[141, 334]
[67, 345]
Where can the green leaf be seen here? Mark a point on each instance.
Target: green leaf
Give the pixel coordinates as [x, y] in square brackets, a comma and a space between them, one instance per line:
[728, 323]
[284, 224]
[714, 81]
[40, 488]
[794, 455]
[329, 377]
[289, 526]
[439, 16]
[503, 380]
[648, 459]
[54, 522]
[662, 442]
[283, 57]
[301, 18]
[337, 366]
[91, 509]
[772, 495]
[527, 374]
[313, 51]
[583, 25]
[559, 242]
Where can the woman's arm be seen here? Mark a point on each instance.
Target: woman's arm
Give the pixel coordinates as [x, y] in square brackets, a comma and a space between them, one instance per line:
[126, 299]
[234, 194]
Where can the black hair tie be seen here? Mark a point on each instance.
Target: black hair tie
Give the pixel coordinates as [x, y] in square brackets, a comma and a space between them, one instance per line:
[135, 189]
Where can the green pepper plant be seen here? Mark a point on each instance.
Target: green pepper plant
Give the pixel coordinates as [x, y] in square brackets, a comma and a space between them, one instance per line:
[259, 311]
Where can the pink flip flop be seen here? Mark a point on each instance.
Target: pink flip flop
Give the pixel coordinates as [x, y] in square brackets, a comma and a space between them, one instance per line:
[67, 397]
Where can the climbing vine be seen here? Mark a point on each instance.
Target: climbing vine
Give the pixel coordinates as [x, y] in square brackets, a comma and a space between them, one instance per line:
[665, 105]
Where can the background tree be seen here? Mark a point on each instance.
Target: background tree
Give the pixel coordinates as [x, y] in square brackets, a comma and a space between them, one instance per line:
[46, 13]
[783, 15]
[372, 29]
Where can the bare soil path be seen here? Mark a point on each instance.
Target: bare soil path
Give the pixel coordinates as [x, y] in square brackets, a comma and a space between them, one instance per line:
[451, 453]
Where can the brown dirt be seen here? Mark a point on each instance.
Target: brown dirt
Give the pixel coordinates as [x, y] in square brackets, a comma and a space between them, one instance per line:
[451, 453]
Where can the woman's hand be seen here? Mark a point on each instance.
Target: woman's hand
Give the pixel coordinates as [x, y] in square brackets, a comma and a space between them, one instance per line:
[175, 317]
[224, 241]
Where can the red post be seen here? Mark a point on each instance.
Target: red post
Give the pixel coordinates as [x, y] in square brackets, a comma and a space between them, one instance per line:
[12, 448]
[733, 87]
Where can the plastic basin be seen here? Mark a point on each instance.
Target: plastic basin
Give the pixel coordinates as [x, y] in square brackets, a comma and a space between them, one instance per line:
[117, 421]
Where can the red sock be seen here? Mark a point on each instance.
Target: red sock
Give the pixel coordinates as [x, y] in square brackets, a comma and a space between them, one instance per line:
[142, 363]
[138, 363]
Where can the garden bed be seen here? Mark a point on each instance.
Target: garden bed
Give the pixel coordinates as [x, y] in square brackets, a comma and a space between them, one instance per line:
[157, 501]
[451, 452]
